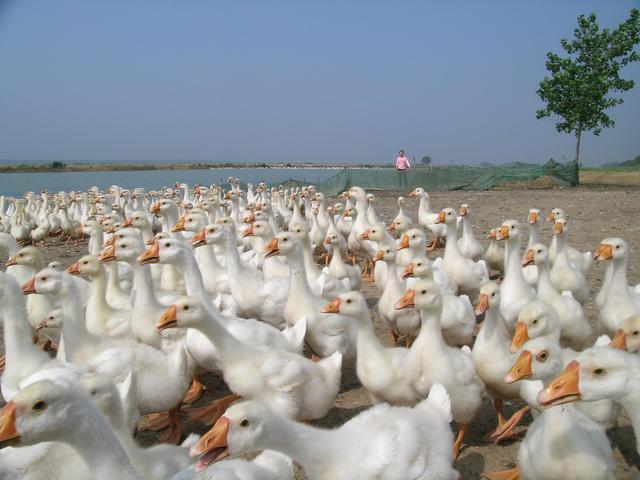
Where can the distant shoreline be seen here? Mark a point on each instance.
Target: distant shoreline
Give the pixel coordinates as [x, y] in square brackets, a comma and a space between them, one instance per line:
[61, 167]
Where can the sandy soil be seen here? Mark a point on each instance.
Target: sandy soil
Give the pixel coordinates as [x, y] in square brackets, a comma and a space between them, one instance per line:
[594, 213]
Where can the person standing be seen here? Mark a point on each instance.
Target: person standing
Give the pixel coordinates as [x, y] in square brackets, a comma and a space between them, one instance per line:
[402, 165]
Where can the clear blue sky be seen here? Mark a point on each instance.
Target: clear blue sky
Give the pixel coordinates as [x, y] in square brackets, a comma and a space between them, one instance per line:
[327, 81]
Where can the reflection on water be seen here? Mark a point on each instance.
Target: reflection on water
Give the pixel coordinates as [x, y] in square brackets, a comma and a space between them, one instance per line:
[15, 184]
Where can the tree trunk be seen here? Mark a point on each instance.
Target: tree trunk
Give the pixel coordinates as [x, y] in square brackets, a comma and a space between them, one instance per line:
[578, 137]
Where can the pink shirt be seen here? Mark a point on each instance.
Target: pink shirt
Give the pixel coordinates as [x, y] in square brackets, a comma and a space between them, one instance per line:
[402, 163]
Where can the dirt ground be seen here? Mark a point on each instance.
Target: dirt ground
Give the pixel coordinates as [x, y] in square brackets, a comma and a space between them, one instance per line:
[594, 215]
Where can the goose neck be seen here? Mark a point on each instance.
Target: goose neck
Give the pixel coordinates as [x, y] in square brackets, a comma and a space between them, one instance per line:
[17, 331]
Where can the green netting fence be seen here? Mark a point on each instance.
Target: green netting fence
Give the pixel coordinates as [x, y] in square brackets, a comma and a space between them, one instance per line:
[449, 178]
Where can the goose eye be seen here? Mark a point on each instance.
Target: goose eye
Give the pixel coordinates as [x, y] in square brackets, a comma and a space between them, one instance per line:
[244, 423]
[349, 300]
[39, 405]
[512, 227]
[186, 307]
[599, 371]
[535, 322]
[636, 333]
[493, 294]
[418, 265]
[617, 246]
[85, 262]
[167, 244]
[44, 279]
[413, 236]
[542, 356]
[423, 292]
[284, 239]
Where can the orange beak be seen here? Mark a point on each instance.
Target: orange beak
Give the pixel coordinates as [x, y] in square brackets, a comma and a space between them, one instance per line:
[212, 446]
[482, 305]
[29, 286]
[528, 258]
[520, 337]
[521, 369]
[408, 271]
[108, 255]
[620, 340]
[441, 218]
[327, 241]
[557, 228]
[392, 227]
[249, 231]
[128, 223]
[604, 252]
[413, 194]
[155, 208]
[493, 233]
[364, 235]
[12, 261]
[503, 233]
[271, 249]
[345, 214]
[74, 269]
[551, 217]
[227, 196]
[150, 255]
[199, 239]
[564, 389]
[250, 219]
[407, 300]
[533, 218]
[179, 227]
[332, 307]
[463, 212]
[379, 256]
[110, 241]
[404, 243]
[8, 433]
[169, 318]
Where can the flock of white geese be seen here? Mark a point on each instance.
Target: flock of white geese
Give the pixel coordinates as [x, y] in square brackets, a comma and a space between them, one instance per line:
[185, 281]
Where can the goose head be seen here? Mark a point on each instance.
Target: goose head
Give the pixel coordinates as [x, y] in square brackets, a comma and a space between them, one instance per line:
[419, 192]
[350, 304]
[185, 312]
[488, 298]
[628, 335]
[555, 214]
[385, 254]
[41, 412]
[538, 254]
[104, 395]
[509, 230]
[124, 250]
[332, 239]
[53, 319]
[91, 226]
[227, 222]
[419, 267]
[166, 251]
[536, 319]
[300, 231]
[285, 243]
[245, 426]
[138, 220]
[357, 193]
[212, 234]
[612, 249]
[425, 295]
[88, 266]
[447, 216]
[349, 212]
[597, 373]
[123, 233]
[28, 257]
[320, 197]
[539, 359]
[260, 229]
[375, 233]
[46, 280]
[414, 239]
[534, 216]
[191, 222]
[465, 210]
[560, 226]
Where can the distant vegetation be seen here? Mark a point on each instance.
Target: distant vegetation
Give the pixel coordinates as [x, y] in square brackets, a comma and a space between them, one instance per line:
[635, 163]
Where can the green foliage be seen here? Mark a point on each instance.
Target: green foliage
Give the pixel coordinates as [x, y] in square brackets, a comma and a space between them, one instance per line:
[426, 160]
[57, 164]
[582, 85]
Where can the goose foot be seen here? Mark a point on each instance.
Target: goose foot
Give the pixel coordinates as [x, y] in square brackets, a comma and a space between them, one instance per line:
[195, 391]
[154, 422]
[209, 414]
[173, 434]
[513, 474]
[505, 431]
[462, 431]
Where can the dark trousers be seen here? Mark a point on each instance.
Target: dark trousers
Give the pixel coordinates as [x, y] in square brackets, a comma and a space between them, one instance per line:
[402, 178]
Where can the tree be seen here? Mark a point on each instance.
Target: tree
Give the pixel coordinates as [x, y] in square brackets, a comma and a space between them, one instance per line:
[578, 91]
[57, 164]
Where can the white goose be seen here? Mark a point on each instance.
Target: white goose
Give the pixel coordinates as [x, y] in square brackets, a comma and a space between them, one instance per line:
[383, 442]
[428, 219]
[562, 274]
[468, 245]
